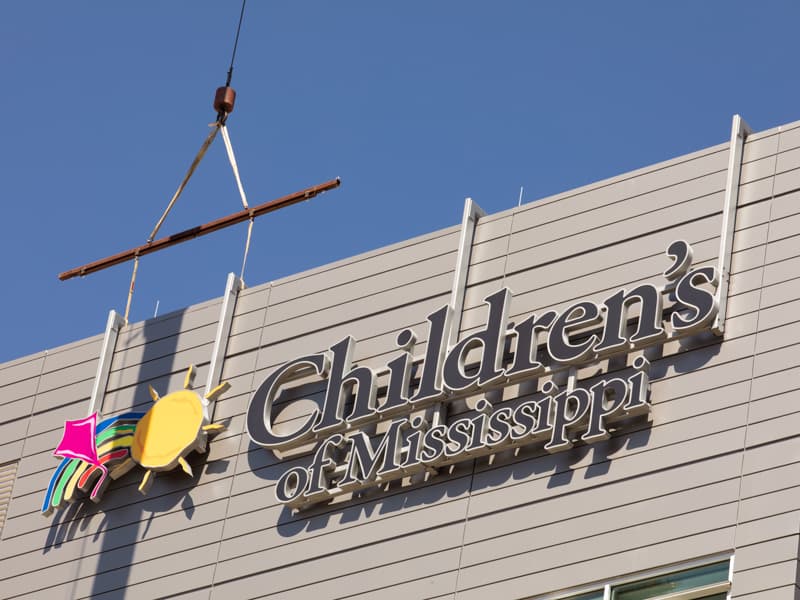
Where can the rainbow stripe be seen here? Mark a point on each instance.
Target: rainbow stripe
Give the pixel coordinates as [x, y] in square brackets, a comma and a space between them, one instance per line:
[113, 439]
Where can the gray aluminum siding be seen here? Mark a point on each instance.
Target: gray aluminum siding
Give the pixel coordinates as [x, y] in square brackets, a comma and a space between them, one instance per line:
[716, 471]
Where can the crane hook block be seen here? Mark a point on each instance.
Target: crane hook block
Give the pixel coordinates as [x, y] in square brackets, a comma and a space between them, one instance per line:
[224, 99]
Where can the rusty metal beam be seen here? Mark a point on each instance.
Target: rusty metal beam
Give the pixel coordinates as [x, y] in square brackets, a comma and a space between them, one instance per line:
[206, 228]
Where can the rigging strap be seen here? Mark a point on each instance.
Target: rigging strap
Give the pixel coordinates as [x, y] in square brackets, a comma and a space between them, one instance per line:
[226, 138]
[247, 245]
[202, 152]
[130, 288]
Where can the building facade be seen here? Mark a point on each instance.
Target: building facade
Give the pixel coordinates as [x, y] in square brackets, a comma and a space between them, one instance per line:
[593, 395]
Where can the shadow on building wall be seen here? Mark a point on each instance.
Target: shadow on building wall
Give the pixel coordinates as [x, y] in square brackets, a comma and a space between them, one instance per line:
[123, 516]
[560, 469]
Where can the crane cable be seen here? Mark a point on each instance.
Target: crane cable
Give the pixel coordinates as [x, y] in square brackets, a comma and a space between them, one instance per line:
[229, 147]
[223, 102]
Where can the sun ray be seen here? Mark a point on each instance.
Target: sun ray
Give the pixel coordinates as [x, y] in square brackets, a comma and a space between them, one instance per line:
[217, 391]
[187, 381]
[153, 393]
[187, 468]
[213, 427]
[147, 481]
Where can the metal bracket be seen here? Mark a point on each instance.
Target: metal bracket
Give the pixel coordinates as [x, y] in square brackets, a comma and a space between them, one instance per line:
[572, 379]
[739, 132]
[113, 325]
[472, 212]
[233, 286]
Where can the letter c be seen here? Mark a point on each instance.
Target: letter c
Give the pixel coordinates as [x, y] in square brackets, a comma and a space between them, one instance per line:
[259, 413]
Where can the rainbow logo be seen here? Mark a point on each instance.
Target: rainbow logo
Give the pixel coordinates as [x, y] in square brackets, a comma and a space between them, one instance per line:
[88, 449]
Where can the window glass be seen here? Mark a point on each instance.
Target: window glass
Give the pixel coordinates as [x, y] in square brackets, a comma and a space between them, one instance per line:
[672, 583]
[687, 583]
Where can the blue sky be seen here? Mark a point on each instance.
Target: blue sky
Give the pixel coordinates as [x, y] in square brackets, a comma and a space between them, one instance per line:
[415, 105]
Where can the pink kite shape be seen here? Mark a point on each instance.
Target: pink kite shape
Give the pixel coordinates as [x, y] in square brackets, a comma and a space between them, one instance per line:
[78, 440]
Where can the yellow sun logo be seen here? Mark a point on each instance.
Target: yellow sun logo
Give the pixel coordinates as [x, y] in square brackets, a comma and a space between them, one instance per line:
[174, 426]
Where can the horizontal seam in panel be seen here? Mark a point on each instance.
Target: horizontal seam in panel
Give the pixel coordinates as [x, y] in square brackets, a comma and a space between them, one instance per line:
[598, 556]
[323, 580]
[588, 537]
[378, 252]
[355, 281]
[104, 551]
[359, 298]
[609, 508]
[647, 170]
[123, 506]
[629, 198]
[331, 553]
[609, 244]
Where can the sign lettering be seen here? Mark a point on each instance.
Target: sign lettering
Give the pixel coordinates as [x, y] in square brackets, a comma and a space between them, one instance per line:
[348, 458]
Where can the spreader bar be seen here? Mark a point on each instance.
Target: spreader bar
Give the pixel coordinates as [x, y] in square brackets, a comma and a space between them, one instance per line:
[206, 228]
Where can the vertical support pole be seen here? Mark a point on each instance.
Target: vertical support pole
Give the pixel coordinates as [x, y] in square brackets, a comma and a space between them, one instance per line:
[233, 286]
[113, 325]
[572, 379]
[739, 132]
[472, 212]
